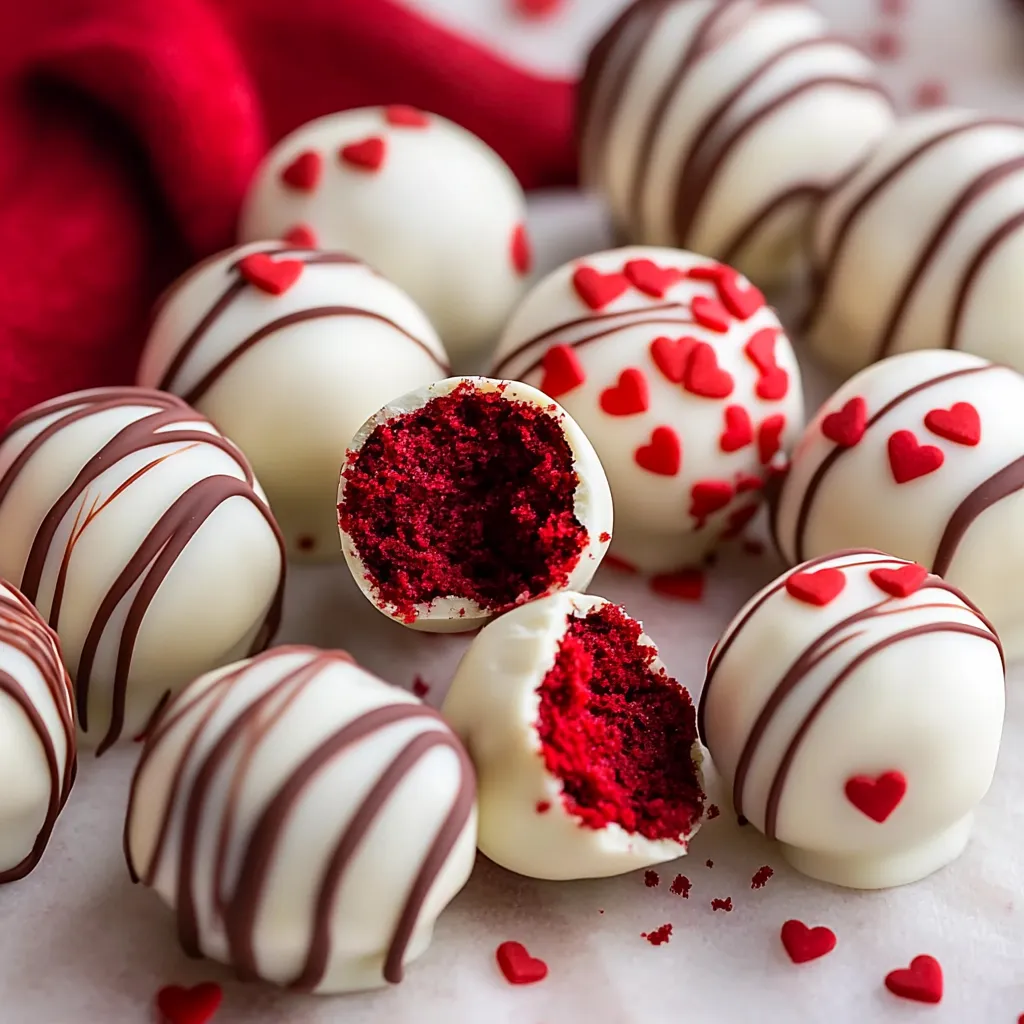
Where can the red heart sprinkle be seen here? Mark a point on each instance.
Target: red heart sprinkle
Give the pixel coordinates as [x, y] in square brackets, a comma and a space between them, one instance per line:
[960, 424]
[846, 426]
[197, 1005]
[303, 173]
[301, 237]
[597, 290]
[876, 797]
[703, 375]
[760, 349]
[518, 966]
[804, 944]
[537, 8]
[921, 981]
[710, 313]
[663, 455]
[402, 116]
[901, 582]
[563, 371]
[909, 459]
[648, 277]
[748, 482]
[522, 252]
[670, 357]
[741, 302]
[368, 155]
[818, 588]
[274, 277]
[628, 397]
[769, 437]
[738, 520]
[773, 385]
[739, 431]
[685, 585]
[709, 496]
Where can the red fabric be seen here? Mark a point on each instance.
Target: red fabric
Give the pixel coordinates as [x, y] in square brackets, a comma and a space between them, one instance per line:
[129, 130]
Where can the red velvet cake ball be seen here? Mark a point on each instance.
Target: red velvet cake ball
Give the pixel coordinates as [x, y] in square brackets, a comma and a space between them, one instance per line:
[465, 498]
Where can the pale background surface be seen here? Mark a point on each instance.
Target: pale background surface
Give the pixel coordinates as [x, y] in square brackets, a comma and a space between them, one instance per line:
[80, 945]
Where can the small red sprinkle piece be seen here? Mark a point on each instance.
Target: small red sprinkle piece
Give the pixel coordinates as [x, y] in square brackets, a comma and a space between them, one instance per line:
[769, 438]
[536, 8]
[401, 116]
[708, 496]
[818, 588]
[680, 886]
[929, 94]
[921, 981]
[885, 45]
[522, 251]
[901, 582]
[658, 936]
[301, 236]
[651, 879]
[909, 459]
[704, 377]
[960, 424]
[629, 396]
[420, 686]
[274, 277]
[619, 564]
[710, 313]
[518, 966]
[725, 904]
[197, 1005]
[803, 944]
[365, 155]
[761, 876]
[739, 431]
[876, 796]
[303, 173]
[684, 585]
[563, 371]
[670, 355]
[646, 276]
[846, 426]
[663, 454]
[543, 806]
[598, 290]
[709, 863]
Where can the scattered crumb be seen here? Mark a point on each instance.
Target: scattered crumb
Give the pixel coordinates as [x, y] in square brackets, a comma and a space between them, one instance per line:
[709, 863]
[658, 936]
[651, 879]
[725, 904]
[713, 812]
[420, 686]
[687, 585]
[753, 546]
[885, 45]
[619, 564]
[543, 806]
[600, 911]
[680, 886]
[761, 876]
[930, 93]
[605, 537]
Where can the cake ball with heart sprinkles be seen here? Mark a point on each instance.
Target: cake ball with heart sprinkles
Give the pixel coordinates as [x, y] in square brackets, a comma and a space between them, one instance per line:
[719, 126]
[586, 749]
[922, 455]
[855, 707]
[419, 198]
[683, 379]
[306, 821]
[467, 497]
[141, 535]
[288, 351]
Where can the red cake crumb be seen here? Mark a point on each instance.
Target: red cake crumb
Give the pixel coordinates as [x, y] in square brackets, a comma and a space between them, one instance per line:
[725, 904]
[761, 876]
[420, 686]
[543, 806]
[713, 812]
[618, 734]
[651, 879]
[658, 936]
[709, 863]
[470, 496]
[605, 537]
[681, 886]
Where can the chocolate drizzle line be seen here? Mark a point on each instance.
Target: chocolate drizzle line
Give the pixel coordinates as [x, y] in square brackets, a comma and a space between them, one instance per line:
[239, 909]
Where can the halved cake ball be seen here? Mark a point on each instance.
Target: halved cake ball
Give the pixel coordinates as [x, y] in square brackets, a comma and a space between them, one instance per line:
[585, 748]
[465, 498]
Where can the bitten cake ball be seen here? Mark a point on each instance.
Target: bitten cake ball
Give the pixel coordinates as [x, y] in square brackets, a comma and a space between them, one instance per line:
[921, 454]
[288, 351]
[585, 748]
[306, 822]
[467, 497]
[855, 707]
[420, 199]
[719, 126]
[681, 377]
[922, 247]
[142, 537]
[37, 735]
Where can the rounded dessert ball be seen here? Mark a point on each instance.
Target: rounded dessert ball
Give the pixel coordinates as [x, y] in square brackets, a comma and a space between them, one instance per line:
[288, 351]
[681, 377]
[921, 248]
[718, 126]
[37, 734]
[306, 822]
[586, 750]
[855, 707]
[419, 198]
[142, 537]
[922, 455]
[467, 497]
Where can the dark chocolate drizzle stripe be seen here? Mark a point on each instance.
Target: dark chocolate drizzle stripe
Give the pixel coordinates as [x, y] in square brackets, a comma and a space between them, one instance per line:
[745, 234]
[815, 482]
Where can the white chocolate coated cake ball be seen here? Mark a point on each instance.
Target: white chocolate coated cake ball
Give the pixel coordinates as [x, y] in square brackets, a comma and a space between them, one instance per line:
[142, 537]
[37, 735]
[855, 707]
[586, 750]
[922, 247]
[922, 455]
[306, 822]
[718, 127]
[288, 351]
[680, 375]
[420, 199]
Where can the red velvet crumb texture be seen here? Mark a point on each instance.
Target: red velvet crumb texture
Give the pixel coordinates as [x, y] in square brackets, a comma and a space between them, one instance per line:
[471, 497]
[618, 734]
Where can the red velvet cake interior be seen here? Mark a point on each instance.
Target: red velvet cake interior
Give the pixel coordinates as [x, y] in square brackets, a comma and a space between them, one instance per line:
[617, 733]
[471, 496]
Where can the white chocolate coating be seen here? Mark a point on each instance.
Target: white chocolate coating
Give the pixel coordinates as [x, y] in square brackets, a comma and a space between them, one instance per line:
[592, 504]
[656, 528]
[306, 821]
[291, 377]
[493, 705]
[439, 216]
[922, 247]
[37, 734]
[141, 536]
[960, 519]
[718, 127]
[803, 703]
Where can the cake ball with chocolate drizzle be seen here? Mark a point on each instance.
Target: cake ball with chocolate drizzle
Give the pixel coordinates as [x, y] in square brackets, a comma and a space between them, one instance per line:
[468, 497]
[855, 707]
[585, 748]
[143, 538]
[288, 350]
[306, 822]
[37, 734]
[718, 125]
